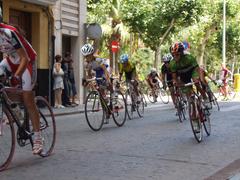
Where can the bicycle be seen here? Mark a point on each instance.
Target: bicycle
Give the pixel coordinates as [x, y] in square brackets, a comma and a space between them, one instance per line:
[157, 91]
[180, 103]
[199, 114]
[212, 98]
[132, 100]
[99, 107]
[10, 98]
[231, 93]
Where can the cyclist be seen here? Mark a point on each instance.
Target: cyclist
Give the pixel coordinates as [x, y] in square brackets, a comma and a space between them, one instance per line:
[186, 68]
[167, 75]
[203, 76]
[224, 78]
[129, 69]
[20, 61]
[152, 80]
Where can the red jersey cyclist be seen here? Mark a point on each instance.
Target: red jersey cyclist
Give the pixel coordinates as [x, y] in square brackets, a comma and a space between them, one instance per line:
[20, 60]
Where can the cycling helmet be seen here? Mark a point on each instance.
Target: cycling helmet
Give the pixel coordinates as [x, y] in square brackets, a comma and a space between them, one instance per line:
[167, 58]
[124, 58]
[153, 70]
[177, 48]
[87, 49]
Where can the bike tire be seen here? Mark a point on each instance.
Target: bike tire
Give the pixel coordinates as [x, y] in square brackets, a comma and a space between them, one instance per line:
[94, 111]
[119, 114]
[197, 134]
[164, 96]
[207, 122]
[47, 125]
[140, 107]
[129, 105]
[6, 130]
[150, 95]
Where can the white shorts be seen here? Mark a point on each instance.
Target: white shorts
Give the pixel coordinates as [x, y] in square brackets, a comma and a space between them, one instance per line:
[29, 76]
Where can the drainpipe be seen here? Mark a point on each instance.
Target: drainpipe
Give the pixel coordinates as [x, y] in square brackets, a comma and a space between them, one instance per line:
[51, 52]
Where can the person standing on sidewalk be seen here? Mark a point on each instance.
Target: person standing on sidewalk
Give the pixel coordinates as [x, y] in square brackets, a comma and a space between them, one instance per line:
[72, 87]
[58, 82]
[66, 92]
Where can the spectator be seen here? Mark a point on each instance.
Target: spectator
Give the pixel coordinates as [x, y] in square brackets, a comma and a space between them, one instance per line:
[58, 82]
[224, 77]
[66, 82]
[72, 90]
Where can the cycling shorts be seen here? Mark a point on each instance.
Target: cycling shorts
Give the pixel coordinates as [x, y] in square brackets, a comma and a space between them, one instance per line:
[29, 76]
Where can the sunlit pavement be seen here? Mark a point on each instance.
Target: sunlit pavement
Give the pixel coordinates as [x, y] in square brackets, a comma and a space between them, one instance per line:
[154, 147]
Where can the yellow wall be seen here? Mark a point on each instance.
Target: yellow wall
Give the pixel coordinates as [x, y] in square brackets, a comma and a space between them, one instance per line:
[39, 28]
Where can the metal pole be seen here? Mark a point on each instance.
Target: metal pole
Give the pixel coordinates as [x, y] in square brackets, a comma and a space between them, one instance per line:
[114, 59]
[224, 33]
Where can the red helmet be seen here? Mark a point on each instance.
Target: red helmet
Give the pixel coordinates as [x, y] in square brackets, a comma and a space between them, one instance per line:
[177, 48]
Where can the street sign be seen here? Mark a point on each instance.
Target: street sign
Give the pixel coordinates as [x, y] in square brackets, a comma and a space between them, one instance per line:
[115, 46]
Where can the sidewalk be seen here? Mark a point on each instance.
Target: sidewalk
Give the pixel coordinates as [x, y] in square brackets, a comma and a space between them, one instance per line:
[68, 110]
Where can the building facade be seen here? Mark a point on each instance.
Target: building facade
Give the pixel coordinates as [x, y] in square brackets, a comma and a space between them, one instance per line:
[70, 17]
[52, 27]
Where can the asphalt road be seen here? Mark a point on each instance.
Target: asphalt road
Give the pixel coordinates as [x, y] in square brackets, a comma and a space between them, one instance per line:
[156, 147]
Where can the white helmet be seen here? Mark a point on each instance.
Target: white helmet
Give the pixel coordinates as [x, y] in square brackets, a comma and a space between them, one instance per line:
[153, 70]
[87, 49]
[167, 58]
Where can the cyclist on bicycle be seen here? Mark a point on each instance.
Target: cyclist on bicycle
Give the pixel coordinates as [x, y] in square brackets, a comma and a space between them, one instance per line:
[167, 75]
[152, 80]
[225, 72]
[99, 66]
[204, 76]
[186, 68]
[129, 69]
[20, 61]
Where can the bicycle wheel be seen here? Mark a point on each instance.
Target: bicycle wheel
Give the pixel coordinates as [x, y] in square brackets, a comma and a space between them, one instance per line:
[215, 102]
[129, 105]
[94, 112]
[206, 122]
[150, 95]
[47, 125]
[195, 122]
[164, 96]
[7, 139]
[119, 111]
[181, 110]
[140, 107]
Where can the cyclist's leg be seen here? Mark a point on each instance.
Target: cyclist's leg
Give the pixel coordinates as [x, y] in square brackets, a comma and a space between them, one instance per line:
[28, 98]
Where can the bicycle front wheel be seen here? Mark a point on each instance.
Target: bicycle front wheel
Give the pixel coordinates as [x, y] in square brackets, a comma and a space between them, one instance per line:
[195, 122]
[94, 112]
[206, 122]
[164, 96]
[7, 140]
[151, 95]
[129, 105]
[47, 125]
[119, 111]
[140, 107]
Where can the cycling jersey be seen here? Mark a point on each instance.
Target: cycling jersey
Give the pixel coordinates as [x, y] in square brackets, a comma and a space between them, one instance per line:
[129, 69]
[10, 41]
[96, 65]
[165, 70]
[185, 68]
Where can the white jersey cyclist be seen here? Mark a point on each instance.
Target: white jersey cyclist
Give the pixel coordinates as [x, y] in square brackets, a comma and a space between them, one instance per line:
[10, 41]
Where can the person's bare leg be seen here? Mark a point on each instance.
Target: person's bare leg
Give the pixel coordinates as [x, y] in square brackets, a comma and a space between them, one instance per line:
[28, 98]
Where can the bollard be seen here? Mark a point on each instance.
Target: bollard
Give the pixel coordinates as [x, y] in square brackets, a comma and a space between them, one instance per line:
[237, 82]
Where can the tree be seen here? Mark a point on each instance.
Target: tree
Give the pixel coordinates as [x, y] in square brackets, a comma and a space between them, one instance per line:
[154, 20]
